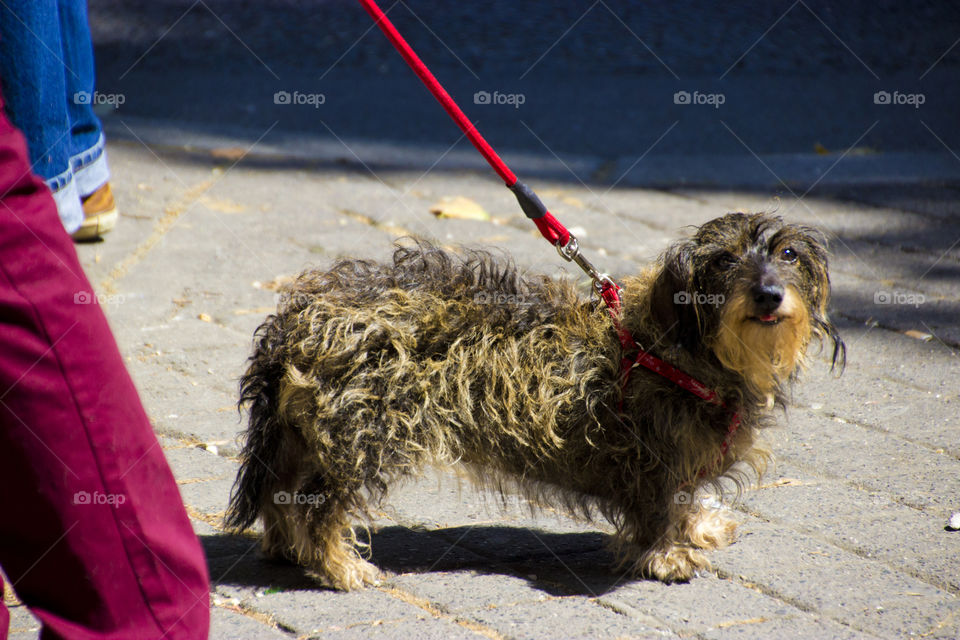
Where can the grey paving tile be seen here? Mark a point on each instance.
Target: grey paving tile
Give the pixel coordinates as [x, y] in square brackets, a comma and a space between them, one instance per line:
[226, 624]
[566, 618]
[456, 592]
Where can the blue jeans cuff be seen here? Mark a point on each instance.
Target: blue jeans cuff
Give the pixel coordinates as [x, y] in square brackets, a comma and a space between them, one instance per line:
[90, 170]
[67, 198]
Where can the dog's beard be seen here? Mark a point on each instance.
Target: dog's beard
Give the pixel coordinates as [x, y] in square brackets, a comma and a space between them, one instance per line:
[765, 354]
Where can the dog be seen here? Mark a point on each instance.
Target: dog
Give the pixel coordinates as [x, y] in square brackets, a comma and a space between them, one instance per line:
[370, 372]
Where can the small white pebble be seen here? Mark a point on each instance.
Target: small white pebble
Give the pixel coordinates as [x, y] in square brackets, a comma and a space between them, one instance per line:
[954, 524]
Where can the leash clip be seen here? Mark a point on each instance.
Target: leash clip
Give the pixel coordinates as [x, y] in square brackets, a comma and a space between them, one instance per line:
[571, 253]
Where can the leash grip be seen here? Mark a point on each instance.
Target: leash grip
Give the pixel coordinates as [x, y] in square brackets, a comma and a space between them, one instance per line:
[550, 228]
[529, 201]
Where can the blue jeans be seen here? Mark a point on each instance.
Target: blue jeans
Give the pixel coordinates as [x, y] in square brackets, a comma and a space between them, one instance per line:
[46, 67]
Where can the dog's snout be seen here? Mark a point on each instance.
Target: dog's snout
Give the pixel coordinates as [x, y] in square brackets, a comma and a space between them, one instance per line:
[767, 297]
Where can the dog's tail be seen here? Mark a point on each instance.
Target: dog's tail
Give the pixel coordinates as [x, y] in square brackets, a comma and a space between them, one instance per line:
[260, 458]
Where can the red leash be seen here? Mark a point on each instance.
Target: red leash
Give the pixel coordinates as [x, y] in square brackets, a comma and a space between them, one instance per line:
[551, 229]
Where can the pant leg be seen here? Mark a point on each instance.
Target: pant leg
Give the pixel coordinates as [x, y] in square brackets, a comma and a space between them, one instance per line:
[94, 537]
[4, 615]
[33, 71]
[88, 155]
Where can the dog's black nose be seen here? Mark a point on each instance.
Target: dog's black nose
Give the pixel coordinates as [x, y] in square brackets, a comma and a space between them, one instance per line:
[767, 297]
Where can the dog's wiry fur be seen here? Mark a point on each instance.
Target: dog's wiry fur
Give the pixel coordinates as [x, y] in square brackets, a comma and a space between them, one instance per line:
[370, 372]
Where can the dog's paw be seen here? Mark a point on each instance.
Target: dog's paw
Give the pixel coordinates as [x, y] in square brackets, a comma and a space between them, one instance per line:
[353, 574]
[674, 564]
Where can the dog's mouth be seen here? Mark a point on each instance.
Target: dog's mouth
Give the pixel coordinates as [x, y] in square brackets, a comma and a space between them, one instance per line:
[769, 319]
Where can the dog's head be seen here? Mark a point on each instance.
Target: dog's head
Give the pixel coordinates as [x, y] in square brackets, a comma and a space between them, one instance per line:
[751, 289]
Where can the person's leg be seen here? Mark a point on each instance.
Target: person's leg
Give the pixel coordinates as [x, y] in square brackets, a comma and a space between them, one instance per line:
[4, 614]
[94, 537]
[32, 68]
[87, 153]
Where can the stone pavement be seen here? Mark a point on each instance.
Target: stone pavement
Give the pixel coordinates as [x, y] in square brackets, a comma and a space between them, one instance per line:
[844, 538]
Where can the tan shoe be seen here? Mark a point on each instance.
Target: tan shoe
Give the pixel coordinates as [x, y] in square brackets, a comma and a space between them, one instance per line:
[99, 214]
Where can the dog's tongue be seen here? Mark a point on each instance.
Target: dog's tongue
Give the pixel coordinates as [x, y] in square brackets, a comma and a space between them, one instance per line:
[767, 318]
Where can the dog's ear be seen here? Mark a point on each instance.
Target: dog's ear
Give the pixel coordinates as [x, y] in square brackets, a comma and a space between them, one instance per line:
[672, 298]
[825, 330]
[817, 245]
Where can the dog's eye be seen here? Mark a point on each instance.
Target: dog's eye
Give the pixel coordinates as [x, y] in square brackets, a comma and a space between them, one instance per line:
[788, 255]
[725, 260]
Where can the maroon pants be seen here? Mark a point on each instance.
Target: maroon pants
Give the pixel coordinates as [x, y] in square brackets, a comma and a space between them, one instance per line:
[93, 535]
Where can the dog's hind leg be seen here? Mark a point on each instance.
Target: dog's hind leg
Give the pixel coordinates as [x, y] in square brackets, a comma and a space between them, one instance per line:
[313, 529]
[337, 560]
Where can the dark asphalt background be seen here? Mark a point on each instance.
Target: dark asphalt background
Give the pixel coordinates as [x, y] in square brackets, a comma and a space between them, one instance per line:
[598, 78]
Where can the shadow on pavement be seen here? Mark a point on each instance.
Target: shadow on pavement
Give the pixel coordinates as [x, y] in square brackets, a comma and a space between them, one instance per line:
[559, 564]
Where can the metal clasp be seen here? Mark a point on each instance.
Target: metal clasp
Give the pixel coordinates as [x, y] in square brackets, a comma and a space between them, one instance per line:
[571, 253]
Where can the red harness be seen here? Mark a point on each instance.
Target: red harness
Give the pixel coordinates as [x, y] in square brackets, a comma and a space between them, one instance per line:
[553, 231]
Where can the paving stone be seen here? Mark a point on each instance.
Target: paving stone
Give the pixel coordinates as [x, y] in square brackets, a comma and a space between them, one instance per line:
[209, 497]
[427, 629]
[456, 592]
[917, 616]
[313, 612]
[868, 523]
[23, 625]
[871, 400]
[401, 550]
[826, 580]
[231, 625]
[908, 471]
[191, 463]
[681, 606]
[510, 544]
[454, 502]
[794, 627]
[566, 618]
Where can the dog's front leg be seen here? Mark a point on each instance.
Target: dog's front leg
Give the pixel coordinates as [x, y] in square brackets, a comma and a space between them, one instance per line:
[667, 546]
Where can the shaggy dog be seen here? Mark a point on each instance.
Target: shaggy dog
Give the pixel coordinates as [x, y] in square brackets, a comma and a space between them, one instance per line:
[370, 372]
